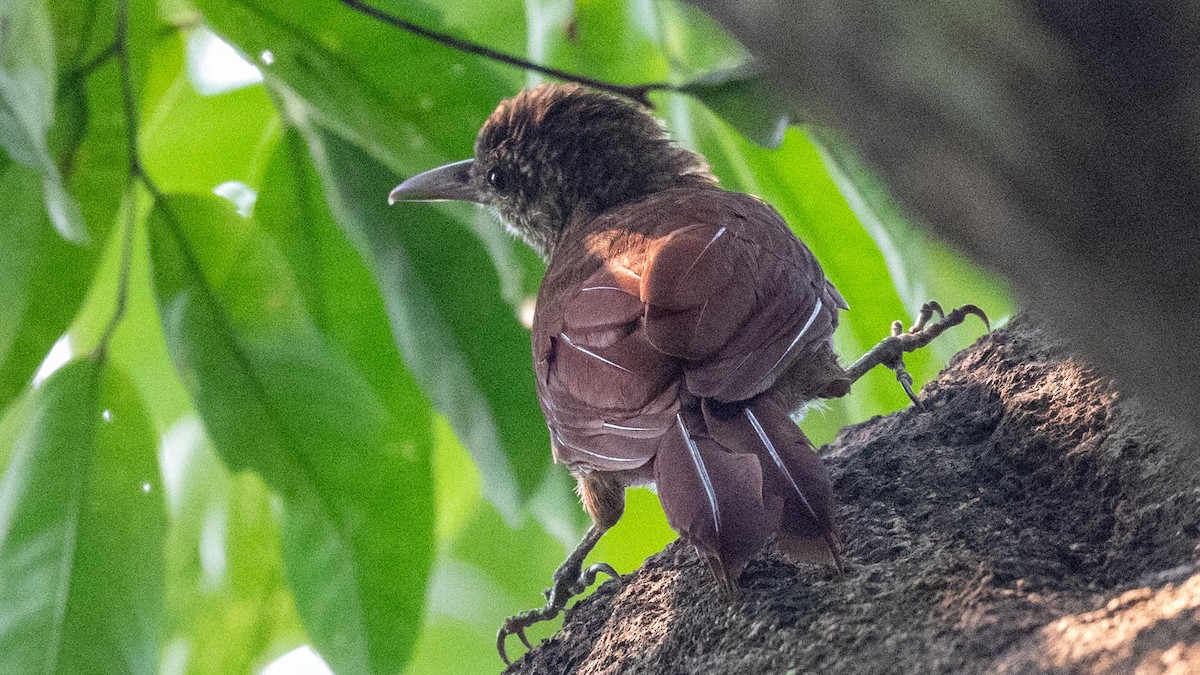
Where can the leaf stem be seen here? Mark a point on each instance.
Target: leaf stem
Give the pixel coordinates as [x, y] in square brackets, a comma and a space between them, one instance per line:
[88, 68]
[120, 49]
[635, 92]
[73, 78]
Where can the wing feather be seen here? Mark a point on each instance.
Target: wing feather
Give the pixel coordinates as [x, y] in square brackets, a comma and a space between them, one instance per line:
[739, 300]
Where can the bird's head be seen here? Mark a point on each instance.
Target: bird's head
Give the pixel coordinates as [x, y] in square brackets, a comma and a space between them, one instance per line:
[554, 154]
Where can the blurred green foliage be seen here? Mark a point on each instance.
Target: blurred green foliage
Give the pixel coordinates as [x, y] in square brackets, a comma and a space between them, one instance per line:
[312, 420]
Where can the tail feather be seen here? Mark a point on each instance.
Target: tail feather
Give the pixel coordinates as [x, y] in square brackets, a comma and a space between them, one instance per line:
[736, 474]
[792, 472]
[714, 499]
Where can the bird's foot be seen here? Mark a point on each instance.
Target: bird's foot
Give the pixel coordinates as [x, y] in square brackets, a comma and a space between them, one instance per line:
[568, 583]
[891, 350]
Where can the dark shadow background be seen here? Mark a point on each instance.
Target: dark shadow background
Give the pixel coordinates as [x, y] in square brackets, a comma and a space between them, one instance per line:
[1054, 141]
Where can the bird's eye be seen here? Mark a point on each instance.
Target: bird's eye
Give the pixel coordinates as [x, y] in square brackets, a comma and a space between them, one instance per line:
[498, 179]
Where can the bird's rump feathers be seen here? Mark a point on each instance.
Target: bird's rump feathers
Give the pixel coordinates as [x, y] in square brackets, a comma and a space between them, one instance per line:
[661, 350]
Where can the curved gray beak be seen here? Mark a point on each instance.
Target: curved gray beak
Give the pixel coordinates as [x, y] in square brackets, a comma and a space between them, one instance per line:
[451, 182]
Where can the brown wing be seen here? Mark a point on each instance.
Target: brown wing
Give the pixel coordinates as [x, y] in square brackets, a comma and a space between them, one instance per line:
[607, 393]
[656, 340]
[740, 299]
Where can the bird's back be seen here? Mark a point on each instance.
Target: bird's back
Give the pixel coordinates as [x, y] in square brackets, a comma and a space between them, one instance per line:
[667, 340]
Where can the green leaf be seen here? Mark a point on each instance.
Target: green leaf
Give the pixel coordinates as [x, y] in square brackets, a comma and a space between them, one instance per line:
[85, 34]
[694, 43]
[616, 42]
[27, 82]
[279, 398]
[114, 613]
[205, 129]
[43, 280]
[335, 285]
[742, 97]
[457, 335]
[81, 527]
[922, 267]
[411, 118]
[230, 607]
[89, 137]
[411, 103]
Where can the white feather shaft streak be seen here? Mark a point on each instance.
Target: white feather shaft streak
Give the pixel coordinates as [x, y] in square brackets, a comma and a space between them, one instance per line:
[766, 441]
[702, 252]
[703, 471]
[621, 427]
[593, 354]
[807, 324]
[559, 439]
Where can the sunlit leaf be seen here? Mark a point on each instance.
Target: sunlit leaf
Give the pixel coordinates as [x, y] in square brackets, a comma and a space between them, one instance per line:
[27, 84]
[615, 42]
[43, 279]
[278, 398]
[89, 138]
[230, 607]
[694, 43]
[243, 119]
[458, 337]
[81, 523]
[412, 119]
[336, 286]
[344, 66]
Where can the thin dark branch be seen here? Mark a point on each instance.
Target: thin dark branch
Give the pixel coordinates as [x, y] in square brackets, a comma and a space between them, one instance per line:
[127, 95]
[126, 265]
[636, 92]
[73, 78]
[120, 49]
[86, 69]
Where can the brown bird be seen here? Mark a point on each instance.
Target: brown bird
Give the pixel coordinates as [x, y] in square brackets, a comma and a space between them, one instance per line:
[677, 327]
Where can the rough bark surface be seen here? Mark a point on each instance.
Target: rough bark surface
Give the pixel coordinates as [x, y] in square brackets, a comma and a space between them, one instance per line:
[1030, 519]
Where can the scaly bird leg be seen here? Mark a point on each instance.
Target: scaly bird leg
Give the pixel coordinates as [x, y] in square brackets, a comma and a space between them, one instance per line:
[890, 351]
[569, 581]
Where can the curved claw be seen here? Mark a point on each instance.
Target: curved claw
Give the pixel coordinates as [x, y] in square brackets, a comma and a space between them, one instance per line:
[972, 309]
[906, 381]
[568, 582]
[927, 311]
[589, 575]
[511, 627]
[501, 638]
